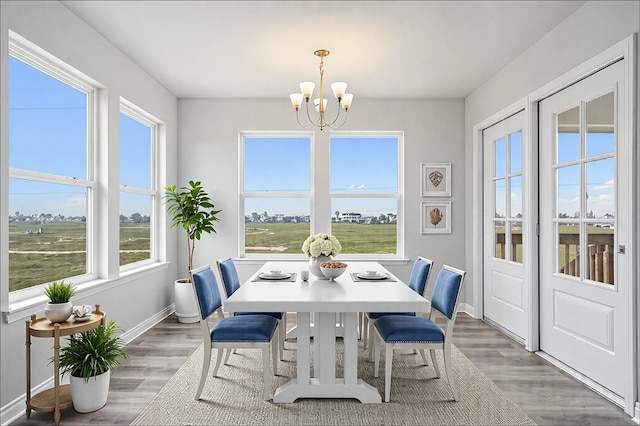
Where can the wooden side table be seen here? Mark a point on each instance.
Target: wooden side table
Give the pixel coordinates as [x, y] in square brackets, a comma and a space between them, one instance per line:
[58, 397]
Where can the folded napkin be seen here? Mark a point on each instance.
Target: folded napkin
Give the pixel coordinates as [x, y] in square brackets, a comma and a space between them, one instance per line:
[356, 278]
[292, 278]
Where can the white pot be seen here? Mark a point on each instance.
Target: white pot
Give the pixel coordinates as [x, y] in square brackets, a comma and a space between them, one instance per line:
[186, 308]
[314, 265]
[58, 312]
[92, 395]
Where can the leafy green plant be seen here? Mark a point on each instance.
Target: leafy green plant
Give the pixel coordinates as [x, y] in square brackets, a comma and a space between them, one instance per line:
[59, 291]
[93, 352]
[192, 210]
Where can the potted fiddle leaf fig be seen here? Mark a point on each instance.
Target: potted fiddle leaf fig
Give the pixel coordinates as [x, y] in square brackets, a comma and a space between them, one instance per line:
[59, 308]
[88, 359]
[191, 209]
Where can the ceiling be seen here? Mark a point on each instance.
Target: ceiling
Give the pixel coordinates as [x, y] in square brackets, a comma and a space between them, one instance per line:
[263, 49]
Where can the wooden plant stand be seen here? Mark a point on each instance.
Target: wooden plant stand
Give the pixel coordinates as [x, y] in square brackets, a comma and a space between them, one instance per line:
[58, 397]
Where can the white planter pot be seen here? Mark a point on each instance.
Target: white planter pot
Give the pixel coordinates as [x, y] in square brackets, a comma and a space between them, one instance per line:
[92, 395]
[314, 265]
[58, 312]
[185, 301]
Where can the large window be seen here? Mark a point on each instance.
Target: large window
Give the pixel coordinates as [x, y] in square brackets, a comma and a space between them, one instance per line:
[365, 194]
[288, 191]
[276, 192]
[51, 181]
[138, 197]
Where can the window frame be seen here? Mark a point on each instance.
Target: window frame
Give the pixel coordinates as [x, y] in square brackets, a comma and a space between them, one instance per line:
[320, 192]
[54, 68]
[136, 113]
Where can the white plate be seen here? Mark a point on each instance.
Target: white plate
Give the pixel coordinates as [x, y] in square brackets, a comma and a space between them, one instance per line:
[84, 318]
[372, 276]
[267, 276]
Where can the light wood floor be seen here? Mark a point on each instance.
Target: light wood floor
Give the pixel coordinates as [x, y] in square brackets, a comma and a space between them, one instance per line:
[546, 394]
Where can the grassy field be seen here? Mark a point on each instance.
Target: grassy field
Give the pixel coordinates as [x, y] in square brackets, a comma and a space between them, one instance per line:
[288, 237]
[60, 251]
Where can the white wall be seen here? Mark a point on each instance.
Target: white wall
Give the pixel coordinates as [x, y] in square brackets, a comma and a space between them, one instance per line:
[51, 26]
[433, 132]
[591, 29]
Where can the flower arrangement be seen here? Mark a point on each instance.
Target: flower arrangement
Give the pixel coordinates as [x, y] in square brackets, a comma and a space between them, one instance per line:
[318, 244]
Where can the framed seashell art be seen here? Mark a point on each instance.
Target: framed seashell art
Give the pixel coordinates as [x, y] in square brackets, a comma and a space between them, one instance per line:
[435, 179]
[435, 217]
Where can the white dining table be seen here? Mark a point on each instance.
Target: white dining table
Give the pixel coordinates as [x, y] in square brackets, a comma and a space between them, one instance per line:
[323, 299]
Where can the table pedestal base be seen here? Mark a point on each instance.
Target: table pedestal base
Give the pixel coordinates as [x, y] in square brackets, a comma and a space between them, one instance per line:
[324, 383]
[292, 390]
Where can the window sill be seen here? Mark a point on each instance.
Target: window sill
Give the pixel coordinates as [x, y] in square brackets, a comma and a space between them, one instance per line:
[23, 309]
[384, 261]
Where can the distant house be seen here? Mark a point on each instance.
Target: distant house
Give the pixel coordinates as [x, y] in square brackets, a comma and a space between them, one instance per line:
[351, 217]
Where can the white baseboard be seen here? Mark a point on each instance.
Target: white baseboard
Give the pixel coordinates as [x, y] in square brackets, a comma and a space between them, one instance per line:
[468, 309]
[16, 408]
[636, 418]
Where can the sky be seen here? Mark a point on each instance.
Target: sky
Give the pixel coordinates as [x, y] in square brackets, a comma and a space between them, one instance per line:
[56, 144]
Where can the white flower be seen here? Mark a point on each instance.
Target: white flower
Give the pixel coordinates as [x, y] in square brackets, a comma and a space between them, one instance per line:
[321, 243]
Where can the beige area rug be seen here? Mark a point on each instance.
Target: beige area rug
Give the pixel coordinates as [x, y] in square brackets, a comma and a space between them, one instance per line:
[417, 396]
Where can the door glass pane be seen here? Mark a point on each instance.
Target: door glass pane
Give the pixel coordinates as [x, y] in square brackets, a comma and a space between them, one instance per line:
[516, 197]
[600, 251]
[568, 139]
[500, 157]
[276, 225]
[568, 249]
[568, 191]
[501, 197]
[515, 140]
[600, 188]
[600, 136]
[500, 239]
[516, 241]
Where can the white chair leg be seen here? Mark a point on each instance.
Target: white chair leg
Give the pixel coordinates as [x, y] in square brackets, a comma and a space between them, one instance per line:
[388, 353]
[360, 314]
[281, 336]
[376, 359]
[447, 367]
[205, 369]
[434, 360]
[218, 359]
[365, 330]
[424, 357]
[266, 374]
[274, 350]
[371, 338]
[226, 358]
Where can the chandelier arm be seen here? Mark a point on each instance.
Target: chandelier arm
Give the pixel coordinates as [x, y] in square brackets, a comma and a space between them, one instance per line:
[313, 123]
[336, 118]
[299, 122]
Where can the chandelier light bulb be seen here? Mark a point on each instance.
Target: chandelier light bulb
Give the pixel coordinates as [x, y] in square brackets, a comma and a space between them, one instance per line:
[338, 89]
[346, 100]
[306, 87]
[296, 100]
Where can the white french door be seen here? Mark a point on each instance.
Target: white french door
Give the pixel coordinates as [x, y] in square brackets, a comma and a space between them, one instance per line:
[504, 292]
[584, 213]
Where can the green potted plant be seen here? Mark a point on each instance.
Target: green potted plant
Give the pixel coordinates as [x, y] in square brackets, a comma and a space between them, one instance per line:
[59, 308]
[192, 210]
[88, 359]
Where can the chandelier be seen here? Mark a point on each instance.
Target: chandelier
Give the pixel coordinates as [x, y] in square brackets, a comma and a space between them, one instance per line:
[306, 89]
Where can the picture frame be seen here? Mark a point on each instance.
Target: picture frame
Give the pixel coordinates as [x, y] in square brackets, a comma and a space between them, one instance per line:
[435, 217]
[435, 179]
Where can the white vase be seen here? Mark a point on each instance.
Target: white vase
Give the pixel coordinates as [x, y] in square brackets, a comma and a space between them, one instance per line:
[58, 312]
[92, 395]
[186, 308]
[314, 265]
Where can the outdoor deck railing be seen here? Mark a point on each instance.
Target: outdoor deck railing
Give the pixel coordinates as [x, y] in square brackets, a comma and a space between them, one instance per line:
[599, 251]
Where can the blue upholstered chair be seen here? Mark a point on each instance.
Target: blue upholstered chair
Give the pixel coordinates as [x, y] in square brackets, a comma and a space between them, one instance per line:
[416, 332]
[246, 331]
[417, 282]
[231, 282]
